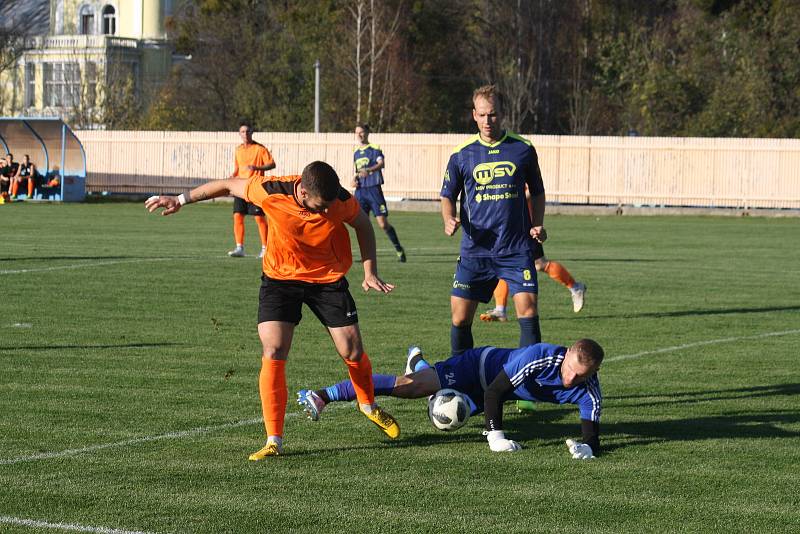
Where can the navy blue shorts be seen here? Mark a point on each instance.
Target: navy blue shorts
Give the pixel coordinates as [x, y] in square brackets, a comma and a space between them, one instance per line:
[476, 278]
[462, 373]
[371, 199]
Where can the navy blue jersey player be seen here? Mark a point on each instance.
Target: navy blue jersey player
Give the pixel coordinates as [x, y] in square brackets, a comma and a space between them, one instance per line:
[368, 160]
[490, 376]
[487, 176]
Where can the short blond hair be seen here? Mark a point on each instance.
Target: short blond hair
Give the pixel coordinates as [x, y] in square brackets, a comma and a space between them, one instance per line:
[488, 92]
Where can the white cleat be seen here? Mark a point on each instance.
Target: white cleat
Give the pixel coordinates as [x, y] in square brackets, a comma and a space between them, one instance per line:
[311, 403]
[238, 252]
[578, 292]
[413, 351]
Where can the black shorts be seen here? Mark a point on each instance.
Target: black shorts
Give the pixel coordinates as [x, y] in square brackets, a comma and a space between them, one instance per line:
[282, 300]
[246, 208]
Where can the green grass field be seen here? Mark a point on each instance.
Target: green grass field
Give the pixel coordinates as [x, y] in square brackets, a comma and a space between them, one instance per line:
[129, 361]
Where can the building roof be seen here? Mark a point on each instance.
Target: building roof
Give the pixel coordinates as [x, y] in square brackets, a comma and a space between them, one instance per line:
[30, 16]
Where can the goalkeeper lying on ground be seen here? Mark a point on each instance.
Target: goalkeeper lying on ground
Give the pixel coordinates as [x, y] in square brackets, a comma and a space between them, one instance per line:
[490, 376]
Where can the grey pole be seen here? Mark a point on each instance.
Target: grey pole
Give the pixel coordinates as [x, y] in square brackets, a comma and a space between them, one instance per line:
[316, 96]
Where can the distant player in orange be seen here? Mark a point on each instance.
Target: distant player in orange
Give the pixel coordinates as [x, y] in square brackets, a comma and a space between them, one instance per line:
[252, 159]
[306, 261]
[553, 269]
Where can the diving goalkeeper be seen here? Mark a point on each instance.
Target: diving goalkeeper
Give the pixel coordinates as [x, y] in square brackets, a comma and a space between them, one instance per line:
[489, 376]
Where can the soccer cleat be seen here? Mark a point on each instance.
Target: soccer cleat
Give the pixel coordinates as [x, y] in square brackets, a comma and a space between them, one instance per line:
[238, 252]
[413, 352]
[311, 402]
[401, 255]
[526, 406]
[384, 421]
[272, 448]
[578, 291]
[493, 315]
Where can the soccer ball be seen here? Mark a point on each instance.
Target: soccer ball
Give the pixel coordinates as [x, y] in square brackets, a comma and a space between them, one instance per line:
[448, 409]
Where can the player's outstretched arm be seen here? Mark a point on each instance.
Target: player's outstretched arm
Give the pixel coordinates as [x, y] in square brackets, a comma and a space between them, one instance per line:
[366, 243]
[209, 190]
[590, 447]
[451, 222]
[493, 411]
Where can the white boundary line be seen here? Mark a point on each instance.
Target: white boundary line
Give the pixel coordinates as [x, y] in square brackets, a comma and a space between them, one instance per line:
[33, 523]
[145, 260]
[700, 344]
[94, 264]
[145, 439]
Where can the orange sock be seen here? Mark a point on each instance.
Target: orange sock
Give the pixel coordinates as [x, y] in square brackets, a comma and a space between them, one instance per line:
[361, 377]
[30, 188]
[262, 229]
[501, 294]
[274, 395]
[559, 273]
[14, 187]
[238, 228]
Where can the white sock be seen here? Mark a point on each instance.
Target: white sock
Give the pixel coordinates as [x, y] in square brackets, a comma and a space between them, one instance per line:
[500, 309]
[275, 439]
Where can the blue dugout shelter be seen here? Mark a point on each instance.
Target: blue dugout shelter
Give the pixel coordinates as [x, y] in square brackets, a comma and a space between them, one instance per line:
[54, 149]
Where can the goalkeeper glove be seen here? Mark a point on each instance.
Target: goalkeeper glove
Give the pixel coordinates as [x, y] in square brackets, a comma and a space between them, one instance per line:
[499, 443]
[579, 451]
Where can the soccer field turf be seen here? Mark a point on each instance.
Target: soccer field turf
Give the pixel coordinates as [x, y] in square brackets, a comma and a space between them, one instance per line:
[128, 392]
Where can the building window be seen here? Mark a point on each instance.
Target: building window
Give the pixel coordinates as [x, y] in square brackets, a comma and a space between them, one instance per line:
[91, 83]
[109, 20]
[87, 21]
[62, 84]
[30, 85]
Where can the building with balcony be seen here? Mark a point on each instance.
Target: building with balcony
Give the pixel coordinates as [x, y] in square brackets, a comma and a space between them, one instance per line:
[89, 52]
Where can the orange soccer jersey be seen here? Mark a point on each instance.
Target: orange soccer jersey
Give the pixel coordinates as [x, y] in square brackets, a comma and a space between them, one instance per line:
[301, 245]
[253, 154]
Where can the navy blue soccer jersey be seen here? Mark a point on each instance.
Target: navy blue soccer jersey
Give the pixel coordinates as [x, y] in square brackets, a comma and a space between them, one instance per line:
[368, 156]
[534, 371]
[490, 180]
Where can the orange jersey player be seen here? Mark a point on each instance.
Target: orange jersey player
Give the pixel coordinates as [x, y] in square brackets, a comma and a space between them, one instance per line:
[306, 261]
[251, 159]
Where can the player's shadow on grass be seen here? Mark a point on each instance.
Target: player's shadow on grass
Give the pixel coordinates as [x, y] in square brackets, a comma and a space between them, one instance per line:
[693, 397]
[684, 313]
[88, 347]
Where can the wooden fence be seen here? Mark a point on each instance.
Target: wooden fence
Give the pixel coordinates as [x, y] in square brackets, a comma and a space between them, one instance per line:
[654, 171]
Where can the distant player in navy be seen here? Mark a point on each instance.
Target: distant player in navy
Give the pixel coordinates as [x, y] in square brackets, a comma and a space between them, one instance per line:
[489, 377]
[488, 174]
[368, 159]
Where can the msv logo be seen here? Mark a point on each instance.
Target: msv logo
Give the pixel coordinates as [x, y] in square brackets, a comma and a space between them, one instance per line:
[486, 172]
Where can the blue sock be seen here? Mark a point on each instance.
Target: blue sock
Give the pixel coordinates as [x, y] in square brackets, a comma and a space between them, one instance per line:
[392, 234]
[344, 391]
[420, 365]
[460, 339]
[529, 332]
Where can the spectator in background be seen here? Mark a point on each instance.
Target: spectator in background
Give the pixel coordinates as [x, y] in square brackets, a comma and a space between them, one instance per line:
[5, 182]
[26, 172]
[9, 173]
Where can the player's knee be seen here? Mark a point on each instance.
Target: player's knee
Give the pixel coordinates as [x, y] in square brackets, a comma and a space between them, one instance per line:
[541, 263]
[461, 322]
[274, 353]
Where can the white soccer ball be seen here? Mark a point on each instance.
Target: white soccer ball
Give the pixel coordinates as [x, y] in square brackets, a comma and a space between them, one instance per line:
[448, 409]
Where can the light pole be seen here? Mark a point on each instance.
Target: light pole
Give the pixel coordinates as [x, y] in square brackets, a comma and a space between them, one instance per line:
[316, 96]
